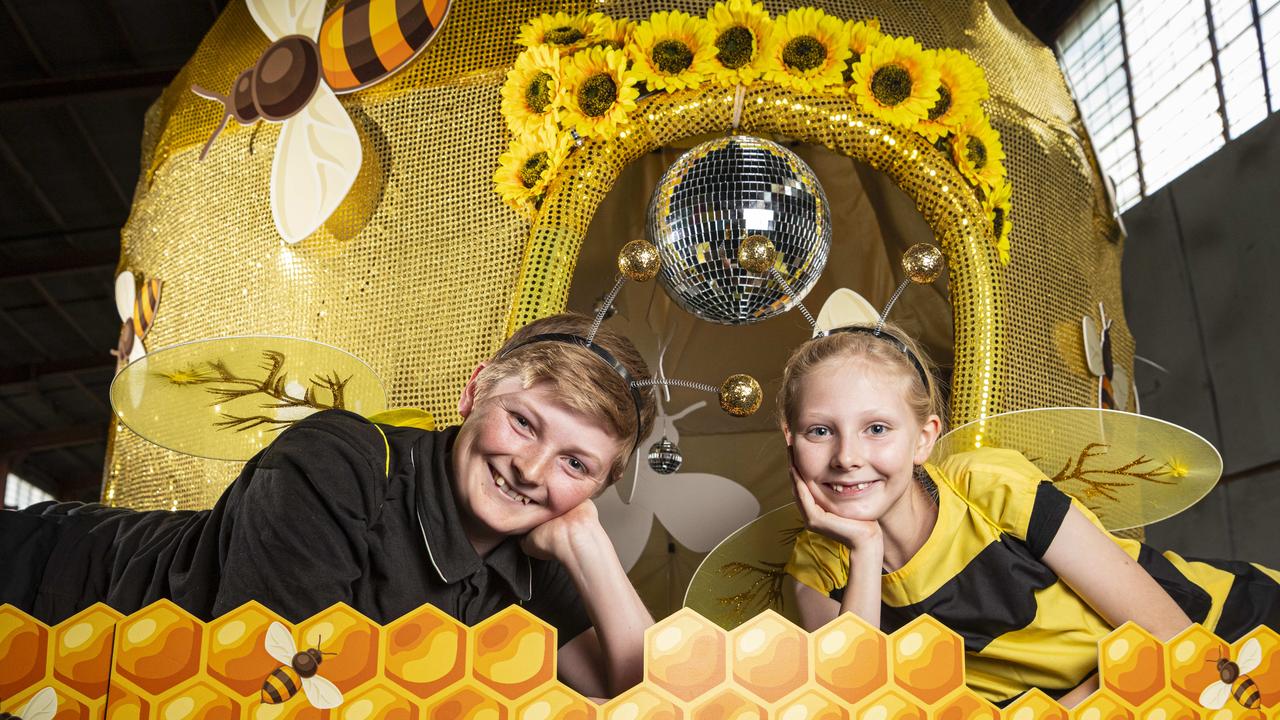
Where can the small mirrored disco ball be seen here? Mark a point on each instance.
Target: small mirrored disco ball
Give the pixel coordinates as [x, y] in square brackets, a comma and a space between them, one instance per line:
[715, 195]
[665, 457]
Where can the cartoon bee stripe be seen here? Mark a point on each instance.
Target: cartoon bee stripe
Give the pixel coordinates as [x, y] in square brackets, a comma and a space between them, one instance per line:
[1246, 693]
[280, 685]
[364, 41]
[145, 307]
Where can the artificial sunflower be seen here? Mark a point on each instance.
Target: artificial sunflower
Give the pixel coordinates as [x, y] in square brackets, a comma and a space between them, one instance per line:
[598, 92]
[610, 32]
[527, 167]
[807, 50]
[740, 29]
[531, 94]
[560, 30]
[862, 35]
[976, 150]
[896, 81]
[962, 87]
[672, 51]
[998, 204]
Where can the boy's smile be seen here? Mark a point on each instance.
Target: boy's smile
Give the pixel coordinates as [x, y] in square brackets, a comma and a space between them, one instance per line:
[523, 457]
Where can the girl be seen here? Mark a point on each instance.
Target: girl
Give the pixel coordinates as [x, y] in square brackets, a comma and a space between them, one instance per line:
[981, 541]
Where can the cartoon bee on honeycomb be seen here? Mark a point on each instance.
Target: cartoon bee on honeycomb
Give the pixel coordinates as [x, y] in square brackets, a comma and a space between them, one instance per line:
[298, 670]
[1234, 681]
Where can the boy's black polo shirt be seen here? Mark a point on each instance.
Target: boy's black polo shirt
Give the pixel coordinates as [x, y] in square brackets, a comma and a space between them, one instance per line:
[330, 512]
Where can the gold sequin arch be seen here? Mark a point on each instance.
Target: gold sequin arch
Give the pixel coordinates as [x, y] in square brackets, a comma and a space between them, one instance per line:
[422, 270]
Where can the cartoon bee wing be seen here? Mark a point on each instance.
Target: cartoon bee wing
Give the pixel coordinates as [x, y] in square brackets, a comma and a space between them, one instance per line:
[317, 159]
[1093, 347]
[628, 526]
[126, 295]
[1215, 696]
[278, 18]
[279, 644]
[321, 693]
[1250, 656]
[680, 502]
[42, 706]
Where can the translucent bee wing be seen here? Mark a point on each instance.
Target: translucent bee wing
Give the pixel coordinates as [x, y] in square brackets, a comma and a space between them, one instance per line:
[317, 159]
[321, 693]
[1215, 696]
[278, 18]
[1250, 656]
[681, 500]
[126, 295]
[628, 526]
[280, 645]
[42, 706]
[845, 307]
[1120, 384]
[1093, 347]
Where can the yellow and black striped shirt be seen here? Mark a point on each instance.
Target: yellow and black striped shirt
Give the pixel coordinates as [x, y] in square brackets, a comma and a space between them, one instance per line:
[981, 574]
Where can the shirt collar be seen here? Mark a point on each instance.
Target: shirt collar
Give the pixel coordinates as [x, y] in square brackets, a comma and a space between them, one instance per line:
[451, 553]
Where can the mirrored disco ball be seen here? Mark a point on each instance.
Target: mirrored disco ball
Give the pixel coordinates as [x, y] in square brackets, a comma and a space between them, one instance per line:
[725, 190]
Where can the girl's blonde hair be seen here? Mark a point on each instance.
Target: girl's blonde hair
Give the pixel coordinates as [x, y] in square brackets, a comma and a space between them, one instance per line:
[882, 353]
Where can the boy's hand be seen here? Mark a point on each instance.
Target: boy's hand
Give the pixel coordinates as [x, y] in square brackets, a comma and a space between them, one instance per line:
[860, 536]
[559, 537]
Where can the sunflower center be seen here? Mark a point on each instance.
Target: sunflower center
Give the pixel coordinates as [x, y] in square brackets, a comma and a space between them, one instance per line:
[735, 47]
[804, 53]
[976, 153]
[533, 168]
[563, 35]
[997, 222]
[597, 95]
[672, 56]
[941, 107]
[538, 94]
[891, 85]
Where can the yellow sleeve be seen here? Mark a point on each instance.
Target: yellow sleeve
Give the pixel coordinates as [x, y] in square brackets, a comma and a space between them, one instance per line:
[819, 562]
[999, 484]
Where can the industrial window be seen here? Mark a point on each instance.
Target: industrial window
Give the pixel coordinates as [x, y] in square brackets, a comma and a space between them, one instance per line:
[1162, 84]
[19, 493]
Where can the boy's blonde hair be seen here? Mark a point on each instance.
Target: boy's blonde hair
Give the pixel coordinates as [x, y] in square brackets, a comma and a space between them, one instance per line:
[583, 380]
[881, 353]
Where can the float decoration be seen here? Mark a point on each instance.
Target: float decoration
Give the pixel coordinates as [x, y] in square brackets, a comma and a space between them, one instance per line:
[570, 85]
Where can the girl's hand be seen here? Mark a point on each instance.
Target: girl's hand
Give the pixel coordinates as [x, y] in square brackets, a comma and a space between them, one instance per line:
[860, 536]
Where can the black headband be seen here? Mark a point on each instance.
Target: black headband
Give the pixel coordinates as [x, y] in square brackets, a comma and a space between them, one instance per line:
[601, 353]
[893, 339]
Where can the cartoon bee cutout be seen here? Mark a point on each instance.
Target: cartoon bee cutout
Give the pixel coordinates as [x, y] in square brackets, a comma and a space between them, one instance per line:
[297, 671]
[42, 706]
[311, 60]
[1113, 382]
[137, 310]
[1234, 681]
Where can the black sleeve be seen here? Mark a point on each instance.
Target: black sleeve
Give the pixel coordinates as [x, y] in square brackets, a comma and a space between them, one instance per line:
[293, 529]
[1047, 514]
[556, 601]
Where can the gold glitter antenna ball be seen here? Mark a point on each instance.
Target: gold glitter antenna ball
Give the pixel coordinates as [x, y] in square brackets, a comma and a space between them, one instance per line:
[638, 260]
[740, 395]
[722, 194]
[923, 263]
[757, 254]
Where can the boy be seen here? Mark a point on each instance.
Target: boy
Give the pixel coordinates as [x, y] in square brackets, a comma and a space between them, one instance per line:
[384, 518]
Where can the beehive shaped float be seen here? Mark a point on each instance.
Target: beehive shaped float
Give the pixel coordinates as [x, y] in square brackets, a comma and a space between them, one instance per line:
[162, 663]
[421, 270]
